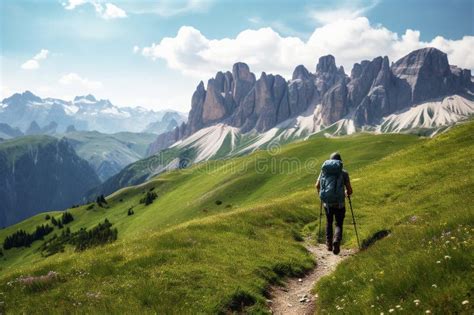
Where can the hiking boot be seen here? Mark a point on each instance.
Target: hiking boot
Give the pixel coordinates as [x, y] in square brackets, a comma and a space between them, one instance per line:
[336, 248]
[329, 246]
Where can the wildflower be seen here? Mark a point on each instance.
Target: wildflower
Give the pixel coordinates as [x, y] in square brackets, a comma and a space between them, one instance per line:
[447, 257]
[398, 306]
[434, 286]
[438, 261]
[372, 306]
[391, 310]
[416, 301]
[428, 312]
[465, 302]
[447, 242]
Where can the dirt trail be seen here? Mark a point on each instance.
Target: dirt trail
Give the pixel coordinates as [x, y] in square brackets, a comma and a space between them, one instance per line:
[296, 297]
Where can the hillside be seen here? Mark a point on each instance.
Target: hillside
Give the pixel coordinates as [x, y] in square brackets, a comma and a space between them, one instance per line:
[40, 173]
[221, 231]
[108, 154]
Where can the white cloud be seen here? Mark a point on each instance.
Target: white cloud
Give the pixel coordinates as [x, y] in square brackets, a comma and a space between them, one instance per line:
[106, 11]
[349, 40]
[30, 65]
[71, 4]
[33, 63]
[346, 10]
[43, 54]
[73, 79]
[113, 12]
[136, 49]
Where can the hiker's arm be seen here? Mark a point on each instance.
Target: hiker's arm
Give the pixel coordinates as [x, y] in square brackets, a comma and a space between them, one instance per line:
[318, 184]
[348, 186]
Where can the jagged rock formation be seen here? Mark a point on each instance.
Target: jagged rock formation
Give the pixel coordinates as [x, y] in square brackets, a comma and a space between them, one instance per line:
[374, 90]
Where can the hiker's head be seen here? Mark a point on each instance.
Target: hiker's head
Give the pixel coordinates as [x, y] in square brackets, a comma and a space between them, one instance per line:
[335, 156]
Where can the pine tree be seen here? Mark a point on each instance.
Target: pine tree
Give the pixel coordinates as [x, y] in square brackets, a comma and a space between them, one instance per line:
[66, 218]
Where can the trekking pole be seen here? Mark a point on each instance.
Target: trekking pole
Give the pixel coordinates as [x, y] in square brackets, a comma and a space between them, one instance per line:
[354, 221]
[320, 218]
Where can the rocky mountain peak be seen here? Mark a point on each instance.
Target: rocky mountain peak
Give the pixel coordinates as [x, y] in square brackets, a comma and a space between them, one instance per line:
[301, 73]
[33, 129]
[241, 71]
[417, 61]
[326, 64]
[88, 97]
[374, 90]
[24, 97]
[428, 75]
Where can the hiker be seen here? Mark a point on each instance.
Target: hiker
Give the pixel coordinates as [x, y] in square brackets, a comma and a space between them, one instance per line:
[330, 186]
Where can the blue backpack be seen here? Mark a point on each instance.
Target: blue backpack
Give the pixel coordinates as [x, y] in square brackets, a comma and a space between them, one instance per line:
[332, 182]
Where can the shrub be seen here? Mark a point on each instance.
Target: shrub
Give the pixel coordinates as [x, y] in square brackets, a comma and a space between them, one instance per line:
[101, 201]
[148, 199]
[98, 235]
[66, 218]
[47, 217]
[238, 302]
[82, 239]
[218, 202]
[130, 211]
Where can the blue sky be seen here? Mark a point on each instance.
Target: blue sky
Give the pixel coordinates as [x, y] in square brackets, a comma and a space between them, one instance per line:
[153, 53]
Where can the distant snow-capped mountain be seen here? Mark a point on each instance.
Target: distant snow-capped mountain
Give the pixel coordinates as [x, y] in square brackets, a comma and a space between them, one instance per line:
[28, 111]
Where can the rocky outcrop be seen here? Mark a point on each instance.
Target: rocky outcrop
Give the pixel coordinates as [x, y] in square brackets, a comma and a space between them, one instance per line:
[374, 90]
[429, 75]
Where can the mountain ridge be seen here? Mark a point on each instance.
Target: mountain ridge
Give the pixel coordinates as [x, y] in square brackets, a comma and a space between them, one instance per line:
[374, 89]
[85, 112]
[324, 103]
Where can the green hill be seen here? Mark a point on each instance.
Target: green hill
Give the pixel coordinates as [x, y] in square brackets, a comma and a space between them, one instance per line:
[220, 232]
[109, 153]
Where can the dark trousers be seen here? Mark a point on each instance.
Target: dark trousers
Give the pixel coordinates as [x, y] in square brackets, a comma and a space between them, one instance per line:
[331, 214]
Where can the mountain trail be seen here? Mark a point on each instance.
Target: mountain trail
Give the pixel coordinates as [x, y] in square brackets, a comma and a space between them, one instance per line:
[295, 297]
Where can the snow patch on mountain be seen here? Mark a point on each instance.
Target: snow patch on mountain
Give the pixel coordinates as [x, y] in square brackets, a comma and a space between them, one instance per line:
[208, 141]
[429, 115]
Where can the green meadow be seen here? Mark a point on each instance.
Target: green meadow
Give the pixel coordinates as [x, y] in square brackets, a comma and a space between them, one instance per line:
[220, 232]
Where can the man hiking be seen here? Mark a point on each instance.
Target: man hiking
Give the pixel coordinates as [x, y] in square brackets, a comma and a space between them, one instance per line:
[333, 185]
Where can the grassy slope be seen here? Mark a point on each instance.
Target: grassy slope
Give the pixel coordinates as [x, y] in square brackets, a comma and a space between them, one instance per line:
[184, 238]
[184, 247]
[425, 196]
